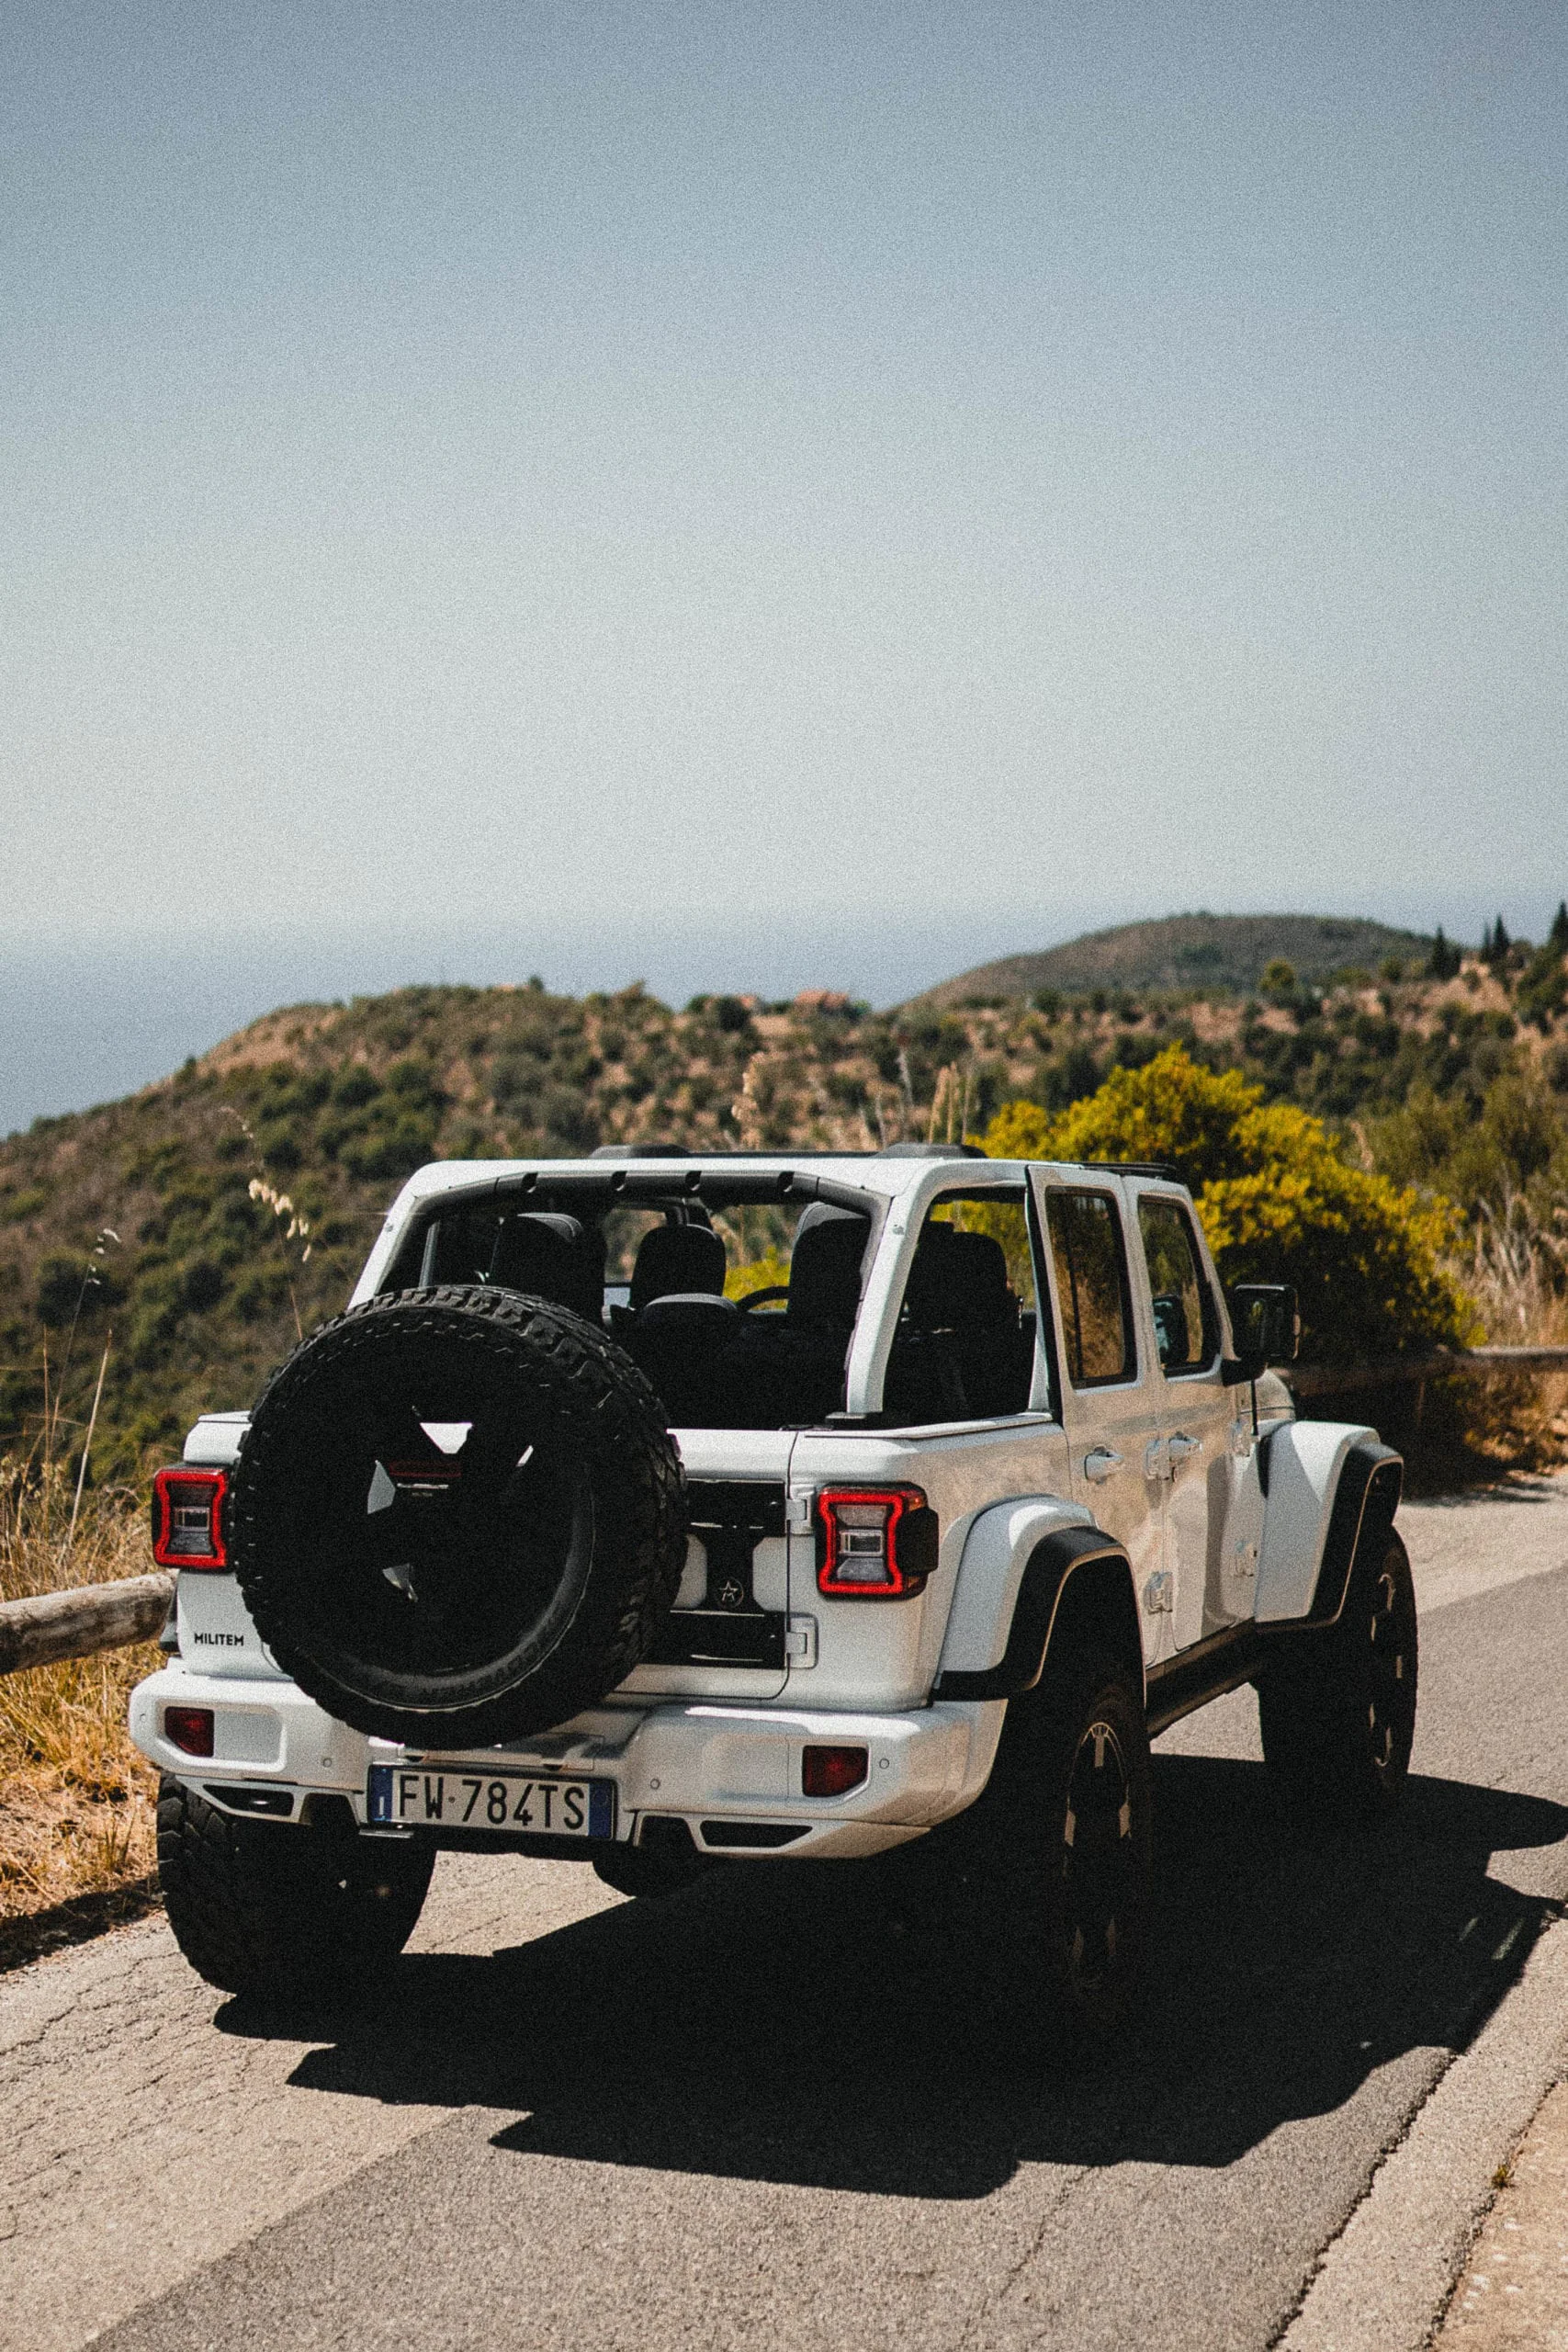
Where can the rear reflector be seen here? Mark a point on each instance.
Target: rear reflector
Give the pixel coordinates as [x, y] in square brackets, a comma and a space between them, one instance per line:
[189, 1729]
[187, 1518]
[832, 1771]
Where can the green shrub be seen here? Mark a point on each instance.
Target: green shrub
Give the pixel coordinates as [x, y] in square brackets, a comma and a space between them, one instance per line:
[204, 1285]
[59, 1282]
[260, 1290]
[1543, 992]
[411, 1084]
[567, 1117]
[1278, 1200]
[1481, 1154]
[396, 1149]
[354, 1086]
[1059, 1084]
[279, 1147]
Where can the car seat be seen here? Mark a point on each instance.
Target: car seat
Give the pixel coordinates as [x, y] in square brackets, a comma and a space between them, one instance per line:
[550, 1256]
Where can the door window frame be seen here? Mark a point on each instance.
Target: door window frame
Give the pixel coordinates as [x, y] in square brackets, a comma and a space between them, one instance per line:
[1213, 1323]
[1048, 1352]
[1049, 1181]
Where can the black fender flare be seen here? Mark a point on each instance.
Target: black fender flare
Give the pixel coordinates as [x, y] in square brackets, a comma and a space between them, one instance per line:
[1047, 1572]
[1371, 1478]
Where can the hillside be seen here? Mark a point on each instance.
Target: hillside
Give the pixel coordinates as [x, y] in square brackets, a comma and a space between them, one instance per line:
[1198, 952]
[148, 1226]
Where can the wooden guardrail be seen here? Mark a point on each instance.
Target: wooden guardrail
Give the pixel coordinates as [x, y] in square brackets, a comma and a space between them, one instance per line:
[49, 1626]
[1330, 1379]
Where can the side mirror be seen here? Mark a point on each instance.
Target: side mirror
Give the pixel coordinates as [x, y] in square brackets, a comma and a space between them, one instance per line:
[1267, 1327]
[1170, 1328]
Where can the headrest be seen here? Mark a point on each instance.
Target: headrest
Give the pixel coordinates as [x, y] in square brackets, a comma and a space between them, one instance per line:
[676, 1258]
[550, 1256]
[824, 1267]
[988, 1295]
[695, 1317]
[958, 1283]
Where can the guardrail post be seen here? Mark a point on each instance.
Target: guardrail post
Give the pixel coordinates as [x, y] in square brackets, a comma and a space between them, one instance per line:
[49, 1626]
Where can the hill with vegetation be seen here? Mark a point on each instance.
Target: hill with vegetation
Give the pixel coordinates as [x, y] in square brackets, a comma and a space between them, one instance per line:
[180, 1238]
[1196, 953]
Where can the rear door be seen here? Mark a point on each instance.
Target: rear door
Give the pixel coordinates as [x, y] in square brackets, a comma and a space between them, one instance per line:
[1197, 1421]
[1113, 1396]
[728, 1634]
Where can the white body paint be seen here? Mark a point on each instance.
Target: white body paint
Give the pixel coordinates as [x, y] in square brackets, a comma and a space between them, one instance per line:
[711, 1743]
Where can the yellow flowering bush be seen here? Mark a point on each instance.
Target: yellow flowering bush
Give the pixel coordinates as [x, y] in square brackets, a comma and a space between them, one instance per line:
[770, 1271]
[1278, 1200]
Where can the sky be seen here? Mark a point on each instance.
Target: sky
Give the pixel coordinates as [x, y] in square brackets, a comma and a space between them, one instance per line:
[740, 494]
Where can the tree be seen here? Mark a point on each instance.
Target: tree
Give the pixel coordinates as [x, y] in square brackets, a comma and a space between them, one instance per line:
[1278, 1200]
[1496, 944]
[1557, 937]
[1443, 963]
[1543, 987]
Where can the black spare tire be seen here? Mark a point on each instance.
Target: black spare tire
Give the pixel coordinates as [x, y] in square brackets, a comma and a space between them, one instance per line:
[457, 1516]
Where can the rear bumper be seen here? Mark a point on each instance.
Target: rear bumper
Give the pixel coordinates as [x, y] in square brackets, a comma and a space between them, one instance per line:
[722, 1770]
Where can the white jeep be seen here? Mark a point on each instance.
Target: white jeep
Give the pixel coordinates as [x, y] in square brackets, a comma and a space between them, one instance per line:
[546, 1544]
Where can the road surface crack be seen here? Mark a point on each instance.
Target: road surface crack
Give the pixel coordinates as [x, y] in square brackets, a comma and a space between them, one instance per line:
[996, 2295]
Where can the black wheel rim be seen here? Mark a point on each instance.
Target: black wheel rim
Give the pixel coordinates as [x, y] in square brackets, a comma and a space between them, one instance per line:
[1098, 1863]
[441, 1532]
[1392, 1680]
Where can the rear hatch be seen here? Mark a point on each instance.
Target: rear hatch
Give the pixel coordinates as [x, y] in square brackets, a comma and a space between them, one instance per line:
[728, 1634]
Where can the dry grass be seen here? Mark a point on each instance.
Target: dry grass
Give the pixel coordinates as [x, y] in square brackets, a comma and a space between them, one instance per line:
[1517, 1276]
[76, 1800]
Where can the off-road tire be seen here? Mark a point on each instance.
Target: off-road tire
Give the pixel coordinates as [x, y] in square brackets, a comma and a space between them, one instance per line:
[1070, 1808]
[547, 1561]
[285, 1913]
[1337, 1710]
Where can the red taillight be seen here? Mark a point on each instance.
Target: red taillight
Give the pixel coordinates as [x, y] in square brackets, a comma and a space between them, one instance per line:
[832, 1771]
[187, 1518]
[875, 1543]
[189, 1728]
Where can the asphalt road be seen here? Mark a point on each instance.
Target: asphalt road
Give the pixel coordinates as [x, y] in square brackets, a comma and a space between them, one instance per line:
[782, 2109]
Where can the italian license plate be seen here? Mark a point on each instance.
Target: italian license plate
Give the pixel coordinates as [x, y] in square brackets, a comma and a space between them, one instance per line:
[412, 1796]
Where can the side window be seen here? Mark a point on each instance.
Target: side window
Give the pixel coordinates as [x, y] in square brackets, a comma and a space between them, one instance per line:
[1186, 1325]
[1091, 1283]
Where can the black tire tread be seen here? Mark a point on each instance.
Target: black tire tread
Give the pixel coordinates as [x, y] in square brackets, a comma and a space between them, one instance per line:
[284, 1911]
[1312, 1711]
[1011, 1837]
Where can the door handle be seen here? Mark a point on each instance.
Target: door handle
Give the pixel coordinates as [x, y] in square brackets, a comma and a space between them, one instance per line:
[1179, 1447]
[1099, 1462]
